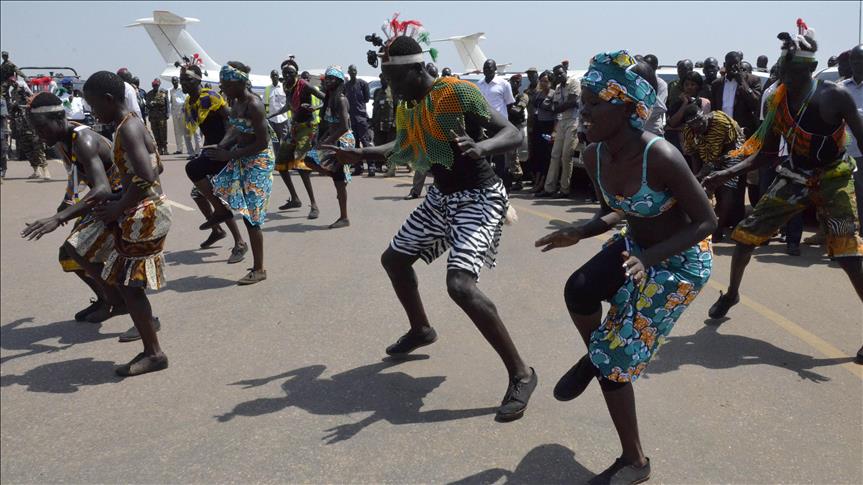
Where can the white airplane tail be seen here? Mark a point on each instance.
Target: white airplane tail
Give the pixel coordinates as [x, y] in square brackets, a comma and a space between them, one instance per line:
[168, 32]
[472, 57]
[468, 50]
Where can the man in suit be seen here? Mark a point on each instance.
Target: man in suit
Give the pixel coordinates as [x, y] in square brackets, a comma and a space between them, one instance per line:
[738, 94]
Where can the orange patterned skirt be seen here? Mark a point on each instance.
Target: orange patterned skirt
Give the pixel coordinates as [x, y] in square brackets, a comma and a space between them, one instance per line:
[139, 236]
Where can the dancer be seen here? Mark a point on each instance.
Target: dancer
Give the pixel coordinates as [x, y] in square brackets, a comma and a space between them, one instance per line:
[88, 159]
[812, 116]
[709, 139]
[338, 131]
[139, 217]
[665, 257]
[207, 111]
[439, 129]
[247, 179]
[300, 137]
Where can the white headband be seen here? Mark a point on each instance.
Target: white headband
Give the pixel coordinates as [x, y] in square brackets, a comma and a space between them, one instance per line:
[48, 109]
[401, 60]
[800, 53]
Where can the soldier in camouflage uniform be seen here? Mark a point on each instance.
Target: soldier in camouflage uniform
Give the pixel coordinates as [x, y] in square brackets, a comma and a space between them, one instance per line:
[28, 143]
[158, 112]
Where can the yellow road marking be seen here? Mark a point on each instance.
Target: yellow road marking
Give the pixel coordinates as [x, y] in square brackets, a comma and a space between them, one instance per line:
[777, 319]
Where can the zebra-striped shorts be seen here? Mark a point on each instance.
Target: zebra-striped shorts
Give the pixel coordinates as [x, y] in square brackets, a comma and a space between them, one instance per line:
[468, 223]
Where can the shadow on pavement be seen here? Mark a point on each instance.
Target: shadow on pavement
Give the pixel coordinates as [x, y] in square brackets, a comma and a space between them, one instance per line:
[392, 397]
[189, 284]
[710, 349]
[192, 256]
[295, 228]
[551, 463]
[389, 197]
[68, 333]
[64, 377]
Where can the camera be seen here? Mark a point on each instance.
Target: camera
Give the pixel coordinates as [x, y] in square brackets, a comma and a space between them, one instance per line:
[375, 40]
[372, 58]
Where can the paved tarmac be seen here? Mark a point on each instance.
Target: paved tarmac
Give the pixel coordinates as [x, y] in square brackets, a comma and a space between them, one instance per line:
[284, 382]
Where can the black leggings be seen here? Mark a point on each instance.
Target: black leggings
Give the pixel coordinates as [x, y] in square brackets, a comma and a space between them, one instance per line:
[597, 280]
[201, 167]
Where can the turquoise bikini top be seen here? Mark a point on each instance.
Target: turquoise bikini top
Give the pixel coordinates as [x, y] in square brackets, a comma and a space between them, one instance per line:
[644, 203]
[241, 124]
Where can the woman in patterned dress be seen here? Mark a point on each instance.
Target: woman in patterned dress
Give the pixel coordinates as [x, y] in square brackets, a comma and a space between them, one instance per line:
[246, 181]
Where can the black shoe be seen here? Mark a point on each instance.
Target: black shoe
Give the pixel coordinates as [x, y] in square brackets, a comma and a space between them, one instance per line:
[859, 358]
[792, 249]
[215, 220]
[620, 473]
[104, 312]
[291, 204]
[411, 341]
[214, 237]
[95, 304]
[412, 196]
[722, 305]
[132, 334]
[143, 364]
[517, 186]
[576, 380]
[516, 398]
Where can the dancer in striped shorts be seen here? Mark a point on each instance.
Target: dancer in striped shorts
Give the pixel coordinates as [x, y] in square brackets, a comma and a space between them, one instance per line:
[439, 130]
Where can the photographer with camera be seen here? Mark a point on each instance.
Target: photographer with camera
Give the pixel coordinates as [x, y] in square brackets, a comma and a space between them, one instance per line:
[738, 94]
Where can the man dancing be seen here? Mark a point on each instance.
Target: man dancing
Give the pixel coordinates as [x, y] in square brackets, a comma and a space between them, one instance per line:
[812, 116]
[439, 130]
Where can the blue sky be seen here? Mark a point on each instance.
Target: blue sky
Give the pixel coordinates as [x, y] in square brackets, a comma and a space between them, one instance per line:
[90, 35]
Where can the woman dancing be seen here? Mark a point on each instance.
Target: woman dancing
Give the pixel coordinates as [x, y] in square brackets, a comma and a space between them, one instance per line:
[336, 134]
[247, 179]
[649, 272]
[139, 216]
[300, 138]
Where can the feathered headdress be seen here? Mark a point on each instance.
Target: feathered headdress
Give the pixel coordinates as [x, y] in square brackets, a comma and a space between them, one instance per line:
[393, 29]
[194, 61]
[799, 47]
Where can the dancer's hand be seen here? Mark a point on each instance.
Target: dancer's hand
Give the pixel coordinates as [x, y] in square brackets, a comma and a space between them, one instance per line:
[108, 212]
[715, 180]
[633, 267]
[559, 239]
[346, 155]
[217, 154]
[467, 145]
[36, 230]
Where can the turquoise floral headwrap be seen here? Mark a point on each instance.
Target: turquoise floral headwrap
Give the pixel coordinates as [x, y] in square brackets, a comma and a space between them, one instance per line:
[231, 73]
[611, 77]
[334, 71]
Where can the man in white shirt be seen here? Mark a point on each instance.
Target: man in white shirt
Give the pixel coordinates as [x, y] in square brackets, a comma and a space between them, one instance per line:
[496, 90]
[854, 85]
[498, 93]
[274, 101]
[131, 93]
[177, 99]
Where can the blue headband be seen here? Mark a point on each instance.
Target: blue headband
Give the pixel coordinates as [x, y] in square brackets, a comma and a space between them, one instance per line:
[334, 71]
[230, 73]
[611, 77]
